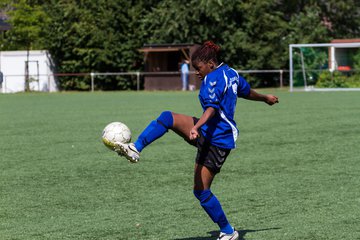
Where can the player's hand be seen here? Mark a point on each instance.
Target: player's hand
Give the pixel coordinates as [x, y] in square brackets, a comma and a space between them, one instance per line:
[194, 134]
[271, 99]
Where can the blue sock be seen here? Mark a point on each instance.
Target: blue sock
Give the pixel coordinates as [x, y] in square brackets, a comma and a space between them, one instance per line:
[154, 130]
[213, 208]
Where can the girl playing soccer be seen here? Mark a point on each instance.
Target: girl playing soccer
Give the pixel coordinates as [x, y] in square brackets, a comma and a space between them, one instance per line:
[213, 134]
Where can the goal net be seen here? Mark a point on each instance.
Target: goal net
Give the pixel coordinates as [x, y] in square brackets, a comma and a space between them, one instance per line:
[324, 67]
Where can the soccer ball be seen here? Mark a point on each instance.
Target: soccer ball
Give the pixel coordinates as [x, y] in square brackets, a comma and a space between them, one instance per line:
[115, 132]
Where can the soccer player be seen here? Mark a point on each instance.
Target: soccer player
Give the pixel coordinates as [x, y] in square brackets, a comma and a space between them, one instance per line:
[213, 134]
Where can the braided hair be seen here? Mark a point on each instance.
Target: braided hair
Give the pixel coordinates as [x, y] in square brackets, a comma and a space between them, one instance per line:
[206, 52]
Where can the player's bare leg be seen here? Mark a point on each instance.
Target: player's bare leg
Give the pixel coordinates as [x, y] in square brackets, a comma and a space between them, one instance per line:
[182, 125]
[203, 177]
[179, 123]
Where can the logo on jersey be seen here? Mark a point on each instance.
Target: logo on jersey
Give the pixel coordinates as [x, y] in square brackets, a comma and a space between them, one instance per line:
[234, 81]
[212, 96]
[211, 91]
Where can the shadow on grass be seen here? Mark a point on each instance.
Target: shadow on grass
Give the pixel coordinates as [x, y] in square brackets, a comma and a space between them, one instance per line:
[215, 234]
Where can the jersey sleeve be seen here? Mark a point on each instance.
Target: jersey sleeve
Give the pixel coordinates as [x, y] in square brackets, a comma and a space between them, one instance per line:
[243, 87]
[213, 92]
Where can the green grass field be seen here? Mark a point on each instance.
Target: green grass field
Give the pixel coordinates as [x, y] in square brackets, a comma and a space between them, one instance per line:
[294, 175]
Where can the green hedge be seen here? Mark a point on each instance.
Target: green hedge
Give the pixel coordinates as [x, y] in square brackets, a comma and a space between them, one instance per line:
[338, 79]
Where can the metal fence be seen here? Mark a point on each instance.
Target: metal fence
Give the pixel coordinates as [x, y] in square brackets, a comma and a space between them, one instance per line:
[47, 82]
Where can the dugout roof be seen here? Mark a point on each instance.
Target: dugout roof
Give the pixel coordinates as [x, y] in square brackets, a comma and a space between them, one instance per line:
[354, 40]
[184, 48]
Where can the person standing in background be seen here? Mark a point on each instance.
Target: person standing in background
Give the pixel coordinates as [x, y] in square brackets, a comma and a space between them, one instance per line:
[185, 75]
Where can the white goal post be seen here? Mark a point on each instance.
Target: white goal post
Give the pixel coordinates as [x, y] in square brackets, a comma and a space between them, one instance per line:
[332, 63]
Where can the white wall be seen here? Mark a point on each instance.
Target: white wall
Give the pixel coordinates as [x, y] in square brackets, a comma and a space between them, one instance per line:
[12, 65]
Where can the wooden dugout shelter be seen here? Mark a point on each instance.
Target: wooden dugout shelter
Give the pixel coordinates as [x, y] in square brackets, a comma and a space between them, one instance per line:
[162, 66]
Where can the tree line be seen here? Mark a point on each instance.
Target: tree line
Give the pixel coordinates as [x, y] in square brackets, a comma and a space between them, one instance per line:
[105, 35]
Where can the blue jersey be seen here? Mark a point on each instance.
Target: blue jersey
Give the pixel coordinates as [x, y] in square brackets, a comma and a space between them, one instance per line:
[220, 89]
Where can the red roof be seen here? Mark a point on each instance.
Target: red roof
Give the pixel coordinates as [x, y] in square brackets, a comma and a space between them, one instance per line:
[354, 40]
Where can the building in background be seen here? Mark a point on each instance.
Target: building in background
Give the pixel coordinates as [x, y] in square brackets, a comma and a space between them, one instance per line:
[162, 66]
[41, 71]
[341, 58]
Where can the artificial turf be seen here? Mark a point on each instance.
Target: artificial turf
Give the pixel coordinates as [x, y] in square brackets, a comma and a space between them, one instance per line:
[294, 173]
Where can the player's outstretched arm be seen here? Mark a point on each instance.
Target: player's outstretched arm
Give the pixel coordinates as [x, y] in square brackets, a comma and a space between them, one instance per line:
[267, 98]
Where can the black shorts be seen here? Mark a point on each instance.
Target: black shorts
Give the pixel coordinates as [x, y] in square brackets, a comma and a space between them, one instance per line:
[208, 155]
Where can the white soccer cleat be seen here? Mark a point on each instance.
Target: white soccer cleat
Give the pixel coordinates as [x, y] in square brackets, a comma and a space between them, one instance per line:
[233, 236]
[127, 150]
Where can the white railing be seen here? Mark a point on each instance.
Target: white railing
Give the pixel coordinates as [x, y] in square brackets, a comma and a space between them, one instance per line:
[47, 82]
